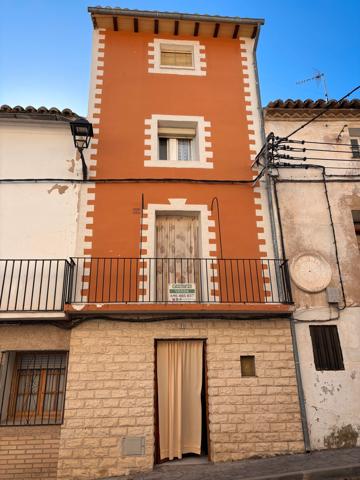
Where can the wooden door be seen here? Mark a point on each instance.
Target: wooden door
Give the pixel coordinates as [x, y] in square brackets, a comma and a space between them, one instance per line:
[177, 253]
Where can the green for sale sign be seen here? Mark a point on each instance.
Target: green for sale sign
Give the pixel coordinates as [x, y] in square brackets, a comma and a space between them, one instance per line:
[182, 292]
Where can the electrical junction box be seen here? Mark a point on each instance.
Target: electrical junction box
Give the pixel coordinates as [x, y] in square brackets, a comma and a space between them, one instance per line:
[332, 295]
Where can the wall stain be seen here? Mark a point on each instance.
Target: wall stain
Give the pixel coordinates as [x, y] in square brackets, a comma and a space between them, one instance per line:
[344, 437]
[60, 188]
[353, 374]
[72, 165]
[326, 389]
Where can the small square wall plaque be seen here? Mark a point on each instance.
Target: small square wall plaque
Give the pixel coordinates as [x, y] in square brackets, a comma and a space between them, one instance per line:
[133, 446]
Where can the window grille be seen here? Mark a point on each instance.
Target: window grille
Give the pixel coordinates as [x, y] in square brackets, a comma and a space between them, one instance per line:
[326, 348]
[32, 388]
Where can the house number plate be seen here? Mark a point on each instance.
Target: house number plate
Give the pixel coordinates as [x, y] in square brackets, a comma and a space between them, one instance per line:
[182, 292]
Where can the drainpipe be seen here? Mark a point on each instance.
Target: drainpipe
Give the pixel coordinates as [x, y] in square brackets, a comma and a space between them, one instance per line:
[269, 191]
[299, 383]
[263, 141]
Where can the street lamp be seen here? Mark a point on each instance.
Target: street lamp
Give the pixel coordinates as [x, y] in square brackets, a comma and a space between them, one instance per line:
[82, 131]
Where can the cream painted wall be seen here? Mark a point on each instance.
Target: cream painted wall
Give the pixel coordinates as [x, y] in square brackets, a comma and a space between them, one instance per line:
[332, 397]
[37, 219]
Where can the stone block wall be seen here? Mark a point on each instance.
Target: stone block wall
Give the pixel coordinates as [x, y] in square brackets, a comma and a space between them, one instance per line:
[110, 393]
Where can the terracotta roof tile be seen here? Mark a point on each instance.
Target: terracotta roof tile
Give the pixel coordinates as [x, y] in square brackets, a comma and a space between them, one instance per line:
[41, 113]
[313, 104]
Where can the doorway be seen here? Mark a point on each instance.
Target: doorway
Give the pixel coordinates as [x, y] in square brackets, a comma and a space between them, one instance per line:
[181, 413]
[177, 254]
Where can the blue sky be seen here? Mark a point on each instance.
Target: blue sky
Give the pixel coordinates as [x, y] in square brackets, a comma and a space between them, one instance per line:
[45, 46]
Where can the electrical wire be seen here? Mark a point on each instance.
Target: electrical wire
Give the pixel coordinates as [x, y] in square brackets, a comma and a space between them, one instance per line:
[330, 105]
[305, 149]
[320, 143]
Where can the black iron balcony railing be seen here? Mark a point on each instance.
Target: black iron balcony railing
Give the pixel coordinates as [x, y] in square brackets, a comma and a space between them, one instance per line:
[33, 285]
[181, 280]
[46, 285]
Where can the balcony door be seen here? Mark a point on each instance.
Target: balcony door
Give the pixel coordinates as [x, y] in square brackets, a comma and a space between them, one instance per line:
[177, 252]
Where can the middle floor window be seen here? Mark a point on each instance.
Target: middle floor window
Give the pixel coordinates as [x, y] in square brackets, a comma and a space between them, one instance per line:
[177, 144]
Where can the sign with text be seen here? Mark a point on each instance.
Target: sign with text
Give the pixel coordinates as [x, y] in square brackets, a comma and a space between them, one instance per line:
[182, 292]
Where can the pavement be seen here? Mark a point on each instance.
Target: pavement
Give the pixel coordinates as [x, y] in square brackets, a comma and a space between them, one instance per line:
[335, 464]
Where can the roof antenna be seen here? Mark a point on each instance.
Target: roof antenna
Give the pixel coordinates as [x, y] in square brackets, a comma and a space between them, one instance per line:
[319, 77]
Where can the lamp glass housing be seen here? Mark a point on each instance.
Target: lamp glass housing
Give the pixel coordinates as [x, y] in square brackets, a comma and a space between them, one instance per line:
[82, 132]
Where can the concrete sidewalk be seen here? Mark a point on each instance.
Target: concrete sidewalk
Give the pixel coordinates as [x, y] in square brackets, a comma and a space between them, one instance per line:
[334, 464]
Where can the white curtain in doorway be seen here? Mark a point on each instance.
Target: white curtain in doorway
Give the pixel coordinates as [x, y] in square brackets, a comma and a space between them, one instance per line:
[179, 377]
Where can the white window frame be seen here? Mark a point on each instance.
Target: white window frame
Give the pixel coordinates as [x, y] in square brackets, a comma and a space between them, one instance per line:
[198, 67]
[199, 153]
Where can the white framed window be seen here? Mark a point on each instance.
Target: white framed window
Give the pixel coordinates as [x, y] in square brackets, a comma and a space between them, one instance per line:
[177, 57]
[177, 141]
[354, 134]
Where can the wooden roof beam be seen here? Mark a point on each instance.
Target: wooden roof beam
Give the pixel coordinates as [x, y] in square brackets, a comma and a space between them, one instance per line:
[136, 25]
[236, 31]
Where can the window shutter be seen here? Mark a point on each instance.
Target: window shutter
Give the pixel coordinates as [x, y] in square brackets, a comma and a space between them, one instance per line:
[176, 132]
[355, 148]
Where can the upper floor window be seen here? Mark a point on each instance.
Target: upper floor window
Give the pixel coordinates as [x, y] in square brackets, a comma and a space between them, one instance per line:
[32, 388]
[177, 57]
[354, 134]
[179, 141]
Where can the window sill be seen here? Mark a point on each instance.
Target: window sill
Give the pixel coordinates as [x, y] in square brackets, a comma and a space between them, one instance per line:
[177, 164]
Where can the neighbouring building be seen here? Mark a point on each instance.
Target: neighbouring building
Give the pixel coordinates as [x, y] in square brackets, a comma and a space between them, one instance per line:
[315, 178]
[173, 335]
[38, 225]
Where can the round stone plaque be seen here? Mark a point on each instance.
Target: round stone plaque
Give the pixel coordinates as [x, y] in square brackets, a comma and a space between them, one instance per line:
[310, 272]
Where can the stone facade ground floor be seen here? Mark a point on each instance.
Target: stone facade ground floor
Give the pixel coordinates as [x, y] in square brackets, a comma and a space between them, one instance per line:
[110, 396]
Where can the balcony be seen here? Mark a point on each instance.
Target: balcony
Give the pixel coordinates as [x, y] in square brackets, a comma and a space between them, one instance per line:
[33, 285]
[51, 285]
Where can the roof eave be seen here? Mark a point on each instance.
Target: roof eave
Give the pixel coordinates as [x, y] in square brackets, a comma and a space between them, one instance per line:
[174, 16]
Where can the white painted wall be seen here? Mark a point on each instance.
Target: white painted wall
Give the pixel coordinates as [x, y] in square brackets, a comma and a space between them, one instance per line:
[37, 219]
[332, 397]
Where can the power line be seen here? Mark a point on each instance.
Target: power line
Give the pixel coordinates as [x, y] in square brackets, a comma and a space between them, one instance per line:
[320, 143]
[330, 105]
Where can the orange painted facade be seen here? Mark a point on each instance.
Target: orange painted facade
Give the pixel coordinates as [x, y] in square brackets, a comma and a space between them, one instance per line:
[129, 96]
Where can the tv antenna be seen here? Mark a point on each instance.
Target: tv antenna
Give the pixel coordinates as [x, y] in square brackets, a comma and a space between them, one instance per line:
[319, 77]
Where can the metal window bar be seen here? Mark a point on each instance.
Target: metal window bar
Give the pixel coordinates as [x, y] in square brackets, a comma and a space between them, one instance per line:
[33, 285]
[147, 280]
[32, 387]
[326, 347]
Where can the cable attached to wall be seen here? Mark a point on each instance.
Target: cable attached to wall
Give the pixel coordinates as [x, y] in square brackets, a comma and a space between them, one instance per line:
[215, 199]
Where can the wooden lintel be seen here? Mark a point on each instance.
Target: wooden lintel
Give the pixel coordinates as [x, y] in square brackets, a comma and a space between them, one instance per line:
[115, 24]
[176, 27]
[156, 26]
[236, 31]
[216, 30]
[196, 29]
[136, 25]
